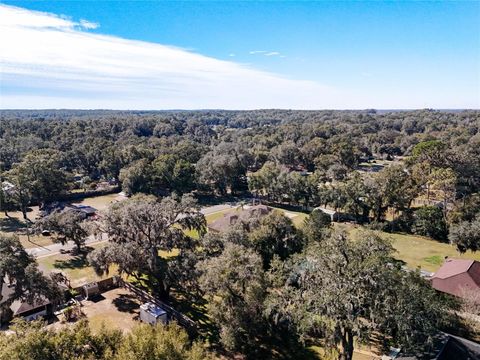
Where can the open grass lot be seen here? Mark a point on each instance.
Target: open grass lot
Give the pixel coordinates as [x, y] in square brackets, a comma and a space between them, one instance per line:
[417, 251]
[101, 203]
[19, 227]
[75, 267]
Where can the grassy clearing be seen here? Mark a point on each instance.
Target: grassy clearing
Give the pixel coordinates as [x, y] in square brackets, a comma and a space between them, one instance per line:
[219, 214]
[75, 267]
[101, 203]
[417, 251]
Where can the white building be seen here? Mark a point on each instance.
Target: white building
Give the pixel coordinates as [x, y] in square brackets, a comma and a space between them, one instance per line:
[153, 314]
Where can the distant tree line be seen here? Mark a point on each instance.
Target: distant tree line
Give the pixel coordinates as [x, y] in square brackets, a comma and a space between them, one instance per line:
[303, 158]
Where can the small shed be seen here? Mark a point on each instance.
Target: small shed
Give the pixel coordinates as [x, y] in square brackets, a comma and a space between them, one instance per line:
[334, 215]
[91, 289]
[153, 314]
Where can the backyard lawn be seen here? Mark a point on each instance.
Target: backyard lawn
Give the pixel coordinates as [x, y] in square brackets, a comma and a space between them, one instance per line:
[417, 251]
[297, 217]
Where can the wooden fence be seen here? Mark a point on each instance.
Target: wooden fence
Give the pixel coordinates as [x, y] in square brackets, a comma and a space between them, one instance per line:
[183, 320]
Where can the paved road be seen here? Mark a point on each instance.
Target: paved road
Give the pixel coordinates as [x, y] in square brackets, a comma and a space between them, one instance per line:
[57, 248]
[53, 249]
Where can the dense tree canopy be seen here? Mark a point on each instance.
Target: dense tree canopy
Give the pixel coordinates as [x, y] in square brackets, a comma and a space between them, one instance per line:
[34, 342]
[346, 289]
[264, 280]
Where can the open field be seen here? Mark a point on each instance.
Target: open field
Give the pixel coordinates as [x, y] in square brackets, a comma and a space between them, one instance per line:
[297, 217]
[417, 251]
[101, 203]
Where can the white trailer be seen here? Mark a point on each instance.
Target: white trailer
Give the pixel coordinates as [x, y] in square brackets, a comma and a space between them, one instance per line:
[153, 314]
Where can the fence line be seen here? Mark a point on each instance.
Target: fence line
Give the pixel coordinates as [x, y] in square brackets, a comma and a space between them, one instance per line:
[182, 319]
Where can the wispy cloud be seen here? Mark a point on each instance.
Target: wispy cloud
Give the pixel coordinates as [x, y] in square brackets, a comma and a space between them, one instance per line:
[267, 53]
[50, 61]
[88, 25]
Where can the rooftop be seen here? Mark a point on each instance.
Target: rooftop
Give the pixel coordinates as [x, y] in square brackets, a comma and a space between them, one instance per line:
[153, 309]
[452, 267]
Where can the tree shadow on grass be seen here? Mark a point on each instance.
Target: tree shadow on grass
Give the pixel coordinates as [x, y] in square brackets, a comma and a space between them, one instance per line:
[126, 303]
[76, 261]
[12, 224]
[197, 311]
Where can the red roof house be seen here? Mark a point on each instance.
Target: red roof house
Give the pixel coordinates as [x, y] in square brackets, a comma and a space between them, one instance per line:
[457, 277]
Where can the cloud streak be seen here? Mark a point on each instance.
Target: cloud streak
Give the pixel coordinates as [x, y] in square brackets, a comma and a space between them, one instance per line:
[266, 53]
[49, 61]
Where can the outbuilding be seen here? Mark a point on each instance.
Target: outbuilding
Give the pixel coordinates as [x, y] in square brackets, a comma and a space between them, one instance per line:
[153, 314]
[91, 289]
[334, 215]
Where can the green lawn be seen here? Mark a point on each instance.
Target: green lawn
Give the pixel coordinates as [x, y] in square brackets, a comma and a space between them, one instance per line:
[418, 251]
[297, 217]
[15, 225]
[75, 267]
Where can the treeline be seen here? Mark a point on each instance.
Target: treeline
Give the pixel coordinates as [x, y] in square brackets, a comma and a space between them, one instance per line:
[304, 158]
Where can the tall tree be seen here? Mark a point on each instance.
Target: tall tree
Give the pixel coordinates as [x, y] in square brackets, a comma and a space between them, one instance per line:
[223, 169]
[466, 235]
[430, 221]
[67, 225]
[20, 272]
[235, 286]
[139, 229]
[136, 178]
[274, 234]
[40, 174]
[316, 226]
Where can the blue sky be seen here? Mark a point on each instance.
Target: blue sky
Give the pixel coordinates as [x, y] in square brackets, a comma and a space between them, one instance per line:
[236, 55]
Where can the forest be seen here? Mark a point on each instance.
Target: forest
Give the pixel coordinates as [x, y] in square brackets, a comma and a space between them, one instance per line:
[272, 288]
